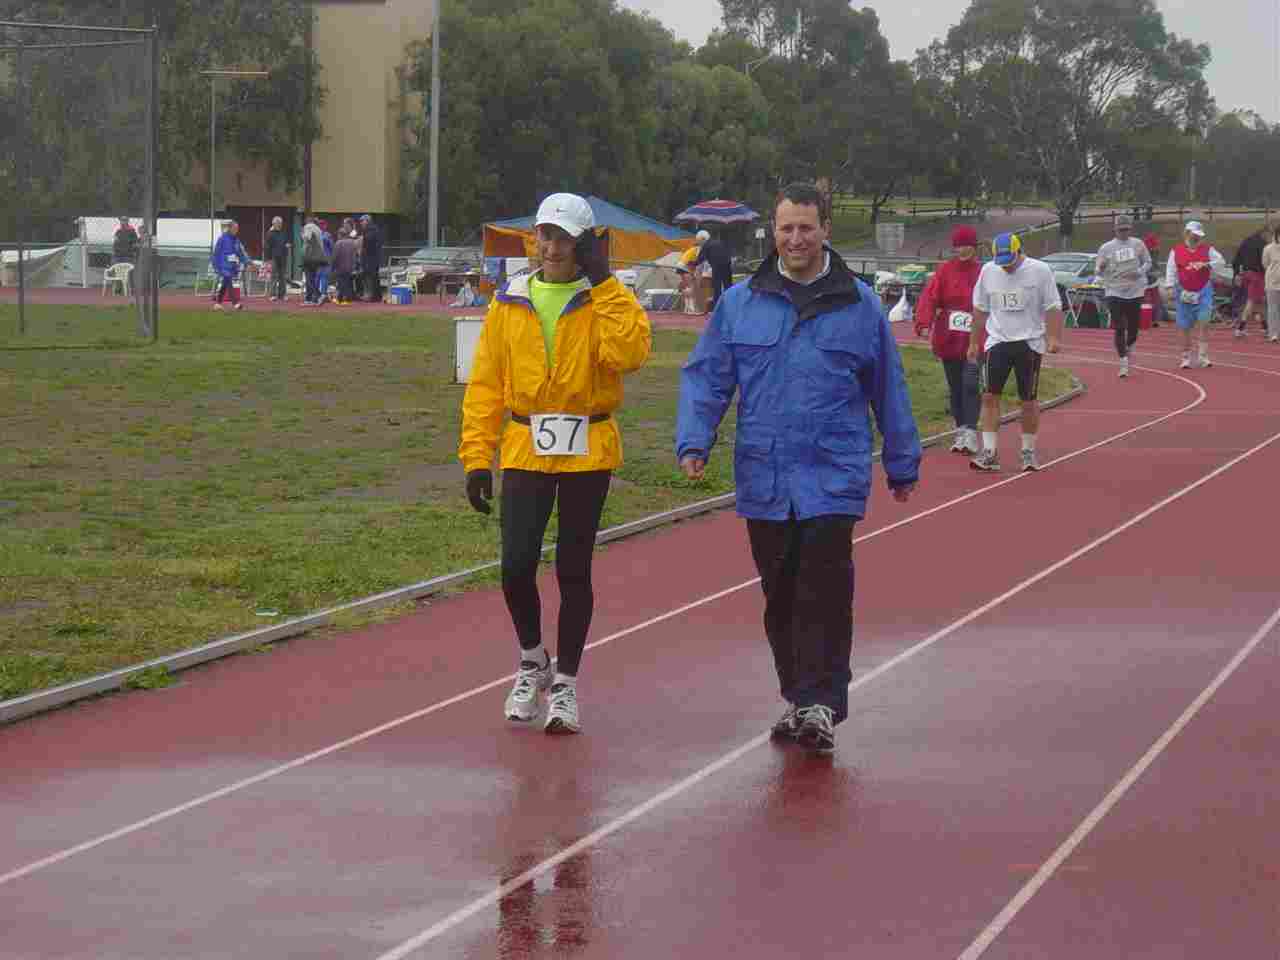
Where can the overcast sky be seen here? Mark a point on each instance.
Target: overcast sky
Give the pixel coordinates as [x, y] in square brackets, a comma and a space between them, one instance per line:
[1241, 34]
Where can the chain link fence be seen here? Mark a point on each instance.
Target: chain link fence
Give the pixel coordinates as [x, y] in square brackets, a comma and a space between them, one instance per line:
[79, 123]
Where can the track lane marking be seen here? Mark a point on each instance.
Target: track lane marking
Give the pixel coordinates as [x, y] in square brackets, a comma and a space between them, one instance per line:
[480, 903]
[1114, 796]
[246, 782]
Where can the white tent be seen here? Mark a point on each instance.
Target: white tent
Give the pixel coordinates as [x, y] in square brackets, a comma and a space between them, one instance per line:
[185, 244]
[38, 266]
[657, 283]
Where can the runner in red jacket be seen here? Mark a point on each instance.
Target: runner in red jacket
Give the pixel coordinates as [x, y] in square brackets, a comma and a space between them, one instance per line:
[946, 308]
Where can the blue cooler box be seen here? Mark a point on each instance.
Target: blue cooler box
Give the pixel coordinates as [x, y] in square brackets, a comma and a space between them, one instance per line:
[401, 294]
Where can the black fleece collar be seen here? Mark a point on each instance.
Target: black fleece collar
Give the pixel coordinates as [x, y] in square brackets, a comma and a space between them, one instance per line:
[839, 288]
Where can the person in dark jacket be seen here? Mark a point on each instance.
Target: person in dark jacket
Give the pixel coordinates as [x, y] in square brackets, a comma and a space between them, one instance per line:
[278, 254]
[716, 255]
[125, 243]
[946, 310]
[1247, 265]
[344, 263]
[807, 347]
[371, 258]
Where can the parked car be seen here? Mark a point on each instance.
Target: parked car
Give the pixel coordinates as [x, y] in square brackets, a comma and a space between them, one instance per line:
[1072, 269]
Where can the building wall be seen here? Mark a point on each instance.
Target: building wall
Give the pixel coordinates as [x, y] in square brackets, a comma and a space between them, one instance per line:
[356, 166]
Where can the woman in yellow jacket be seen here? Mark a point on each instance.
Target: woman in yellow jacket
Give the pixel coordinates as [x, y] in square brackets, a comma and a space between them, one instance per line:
[552, 353]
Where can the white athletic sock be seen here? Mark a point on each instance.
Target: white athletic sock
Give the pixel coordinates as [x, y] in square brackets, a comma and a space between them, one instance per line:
[565, 679]
[1028, 441]
[537, 655]
[989, 440]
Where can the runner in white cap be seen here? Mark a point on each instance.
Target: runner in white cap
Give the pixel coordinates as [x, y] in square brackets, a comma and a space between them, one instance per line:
[545, 380]
[1190, 275]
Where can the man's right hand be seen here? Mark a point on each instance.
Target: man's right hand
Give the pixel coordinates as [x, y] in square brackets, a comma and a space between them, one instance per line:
[480, 489]
[693, 466]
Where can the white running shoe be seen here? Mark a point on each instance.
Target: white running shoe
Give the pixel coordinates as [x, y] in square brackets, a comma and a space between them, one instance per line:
[817, 728]
[1186, 362]
[987, 461]
[531, 682]
[957, 445]
[562, 709]
[1204, 357]
[1124, 366]
[787, 726]
[1238, 333]
[971, 443]
[1029, 462]
[1274, 338]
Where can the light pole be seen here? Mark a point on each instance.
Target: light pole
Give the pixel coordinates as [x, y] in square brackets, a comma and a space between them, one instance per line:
[433, 162]
[214, 76]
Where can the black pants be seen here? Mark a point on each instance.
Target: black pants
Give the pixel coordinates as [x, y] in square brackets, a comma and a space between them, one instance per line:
[346, 290]
[962, 379]
[806, 572]
[372, 286]
[1125, 317]
[278, 279]
[527, 498]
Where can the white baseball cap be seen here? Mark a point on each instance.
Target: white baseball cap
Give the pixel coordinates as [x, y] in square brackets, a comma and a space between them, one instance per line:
[568, 211]
[703, 236]
[1193, 226]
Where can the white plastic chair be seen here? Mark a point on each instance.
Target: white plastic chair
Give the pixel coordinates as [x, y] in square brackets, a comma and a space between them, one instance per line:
[209, 274]
[116, 273]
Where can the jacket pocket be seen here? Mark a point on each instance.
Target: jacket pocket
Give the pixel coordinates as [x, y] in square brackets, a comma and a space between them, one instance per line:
[844, 464]
[754, 472]
[840, 347]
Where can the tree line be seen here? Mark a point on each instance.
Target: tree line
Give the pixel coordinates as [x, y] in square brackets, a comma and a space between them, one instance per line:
[1063, 102]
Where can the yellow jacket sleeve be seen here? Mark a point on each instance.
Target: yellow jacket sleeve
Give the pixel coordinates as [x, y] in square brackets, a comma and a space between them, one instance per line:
[483, 404]
[625, 339]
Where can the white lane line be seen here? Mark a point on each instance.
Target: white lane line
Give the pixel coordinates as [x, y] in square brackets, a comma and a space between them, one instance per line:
[1050, 866]
[480, 903]
[275, 771]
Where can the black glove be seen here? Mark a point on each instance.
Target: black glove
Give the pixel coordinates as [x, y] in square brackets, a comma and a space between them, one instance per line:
[592, 253]
[480, 489]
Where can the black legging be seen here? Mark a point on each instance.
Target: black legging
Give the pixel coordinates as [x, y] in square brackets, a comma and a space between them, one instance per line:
[1125, 317]
[527, 499]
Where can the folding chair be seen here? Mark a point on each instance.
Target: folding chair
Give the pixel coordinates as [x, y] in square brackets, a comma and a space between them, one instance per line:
[210, 275]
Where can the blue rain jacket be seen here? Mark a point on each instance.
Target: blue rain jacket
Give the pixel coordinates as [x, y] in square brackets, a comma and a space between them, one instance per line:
[229, 256]
[804, 382]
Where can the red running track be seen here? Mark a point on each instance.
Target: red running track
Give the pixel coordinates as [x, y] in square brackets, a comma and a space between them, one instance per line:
[1022, 644]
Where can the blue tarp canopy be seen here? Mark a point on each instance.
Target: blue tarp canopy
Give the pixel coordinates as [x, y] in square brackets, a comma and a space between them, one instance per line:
[609, 215]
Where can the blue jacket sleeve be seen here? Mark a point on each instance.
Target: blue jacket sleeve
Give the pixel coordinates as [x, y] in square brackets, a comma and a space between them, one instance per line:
[885, 385]
[707, 382]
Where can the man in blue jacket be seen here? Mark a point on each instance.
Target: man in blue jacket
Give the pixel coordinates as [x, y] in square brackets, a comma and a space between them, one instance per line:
[807, 347]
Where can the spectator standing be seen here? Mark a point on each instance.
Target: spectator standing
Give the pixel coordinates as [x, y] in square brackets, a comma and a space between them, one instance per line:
[1189, 273]
[1152, 242]
[1123, 263]
[313, 259]
[807, 349]
[1271, 266]
[124, 245]
[1250, 274]
[946, 309]
[716, 255]
[229, 258]
[322, 275]
[278, 253]
[344, 264]
[371, 259]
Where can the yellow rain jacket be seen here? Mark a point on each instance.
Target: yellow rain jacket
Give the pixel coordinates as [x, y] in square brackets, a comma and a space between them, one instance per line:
[602, 334]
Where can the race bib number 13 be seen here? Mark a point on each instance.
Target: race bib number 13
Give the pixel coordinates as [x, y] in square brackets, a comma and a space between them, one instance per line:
[1011, 300]
[960, 321]
[559, 434]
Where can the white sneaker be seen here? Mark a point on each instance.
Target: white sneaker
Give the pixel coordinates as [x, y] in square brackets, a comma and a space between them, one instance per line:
[1274, 338]
[217, 306]
[1204, 358]
[531, 682]
[1238, 333]
[971, 442]
[1124, 366]
[562, 709]
[1030, 463]
[1186, 362]
[957, 445]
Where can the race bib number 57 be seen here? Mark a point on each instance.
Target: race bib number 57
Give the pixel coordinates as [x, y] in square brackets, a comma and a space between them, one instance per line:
[559, 434]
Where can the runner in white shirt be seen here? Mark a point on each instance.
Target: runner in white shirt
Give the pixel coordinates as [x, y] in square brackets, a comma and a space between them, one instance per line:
[1017, 315]
[1122, 265]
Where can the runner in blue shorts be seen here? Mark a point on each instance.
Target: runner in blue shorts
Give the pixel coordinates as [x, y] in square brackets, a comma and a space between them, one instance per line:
[1190, 275]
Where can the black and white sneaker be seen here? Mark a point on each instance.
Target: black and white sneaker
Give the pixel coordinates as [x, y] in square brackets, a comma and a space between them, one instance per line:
[1030, 464]
[524, 701]
[817, 728]
[987, 461]
[562, 709]
[787, 726]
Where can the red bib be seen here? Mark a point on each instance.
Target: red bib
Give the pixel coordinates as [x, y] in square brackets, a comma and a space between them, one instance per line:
[1192, 278]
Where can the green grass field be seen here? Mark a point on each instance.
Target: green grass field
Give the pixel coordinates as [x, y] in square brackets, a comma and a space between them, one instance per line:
[254, 466]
